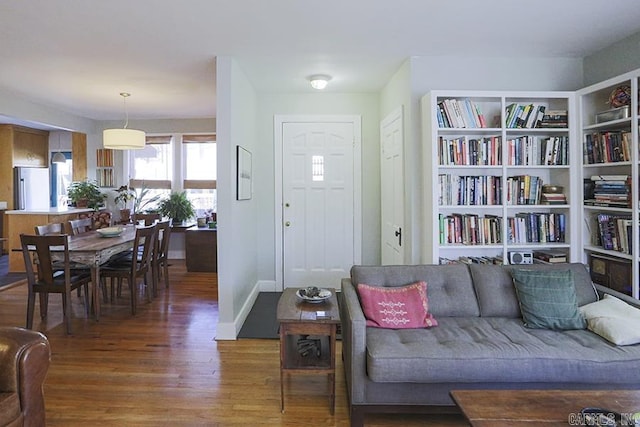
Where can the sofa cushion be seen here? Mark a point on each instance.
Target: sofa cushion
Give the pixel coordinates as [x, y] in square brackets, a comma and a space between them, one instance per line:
[548, 299]
[450, 288]
[614, 320]
[495, 290]
[493, 285]
[396, 307]
[494, 349]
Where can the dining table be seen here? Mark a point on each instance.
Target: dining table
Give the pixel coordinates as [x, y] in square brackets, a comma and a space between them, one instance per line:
[93, 249]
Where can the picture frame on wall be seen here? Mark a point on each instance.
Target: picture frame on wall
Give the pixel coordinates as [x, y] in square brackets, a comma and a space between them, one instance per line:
[243, 173]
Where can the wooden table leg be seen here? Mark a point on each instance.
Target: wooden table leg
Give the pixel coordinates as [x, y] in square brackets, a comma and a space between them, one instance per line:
[94, 289]
[282, 355]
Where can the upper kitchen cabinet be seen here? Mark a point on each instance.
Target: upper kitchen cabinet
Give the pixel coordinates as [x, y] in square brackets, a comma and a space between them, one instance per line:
[20, 146]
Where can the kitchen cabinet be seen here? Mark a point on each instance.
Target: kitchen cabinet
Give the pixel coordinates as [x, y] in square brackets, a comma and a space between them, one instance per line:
[20, 146]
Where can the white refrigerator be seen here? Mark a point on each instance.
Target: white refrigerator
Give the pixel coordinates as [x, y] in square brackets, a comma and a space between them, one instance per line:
[31, 188]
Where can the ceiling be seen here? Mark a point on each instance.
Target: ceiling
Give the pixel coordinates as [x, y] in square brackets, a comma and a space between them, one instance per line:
[78, 55]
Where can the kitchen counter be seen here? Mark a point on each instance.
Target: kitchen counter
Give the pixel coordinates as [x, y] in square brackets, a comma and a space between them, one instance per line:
[24, 222]
[50, 211]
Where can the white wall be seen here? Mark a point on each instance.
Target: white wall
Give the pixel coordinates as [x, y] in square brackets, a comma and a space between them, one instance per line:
[269, 105]
[612, 61]
[237, 220]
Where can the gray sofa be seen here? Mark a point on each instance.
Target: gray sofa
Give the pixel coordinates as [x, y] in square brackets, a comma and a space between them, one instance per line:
[480, 342]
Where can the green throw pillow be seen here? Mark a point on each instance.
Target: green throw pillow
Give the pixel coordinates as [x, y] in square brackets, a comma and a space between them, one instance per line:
[548, 299]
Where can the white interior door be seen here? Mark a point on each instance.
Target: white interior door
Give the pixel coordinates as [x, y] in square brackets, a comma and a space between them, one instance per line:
[392, 187]
[317, 203]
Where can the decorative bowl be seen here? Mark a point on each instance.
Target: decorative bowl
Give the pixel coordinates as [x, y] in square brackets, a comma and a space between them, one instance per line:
[313, 294]
[110, 231]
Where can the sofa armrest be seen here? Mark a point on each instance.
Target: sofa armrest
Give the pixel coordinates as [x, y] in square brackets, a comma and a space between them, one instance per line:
[354, 346]
[25, 356]
[626, 298]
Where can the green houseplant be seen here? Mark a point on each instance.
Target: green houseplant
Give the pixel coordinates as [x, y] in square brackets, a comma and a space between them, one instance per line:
[177, 207]
[86, 193]
[122, 198]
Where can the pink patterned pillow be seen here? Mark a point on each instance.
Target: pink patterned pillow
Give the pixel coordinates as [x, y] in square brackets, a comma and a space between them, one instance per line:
[396, 307]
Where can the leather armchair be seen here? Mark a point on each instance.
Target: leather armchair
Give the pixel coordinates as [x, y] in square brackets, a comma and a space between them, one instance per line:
[25, 356]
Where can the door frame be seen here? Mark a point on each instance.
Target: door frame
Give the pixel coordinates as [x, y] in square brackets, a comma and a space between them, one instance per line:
[278, 121]
[396, 115]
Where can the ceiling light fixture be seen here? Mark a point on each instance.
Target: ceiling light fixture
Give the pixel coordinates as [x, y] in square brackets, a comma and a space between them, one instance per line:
[58, 157]
[124, 139]
[319, 81]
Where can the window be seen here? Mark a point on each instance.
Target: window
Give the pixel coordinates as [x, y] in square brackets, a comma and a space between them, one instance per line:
[200, 171]
[151, 167]
[161, 167]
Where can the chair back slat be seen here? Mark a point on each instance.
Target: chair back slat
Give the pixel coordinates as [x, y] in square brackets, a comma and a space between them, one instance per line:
[49, 229]
[79, 226]
[149, 219]
[164, 233]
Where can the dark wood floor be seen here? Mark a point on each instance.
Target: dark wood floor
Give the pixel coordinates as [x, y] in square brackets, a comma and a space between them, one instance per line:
[163, 367]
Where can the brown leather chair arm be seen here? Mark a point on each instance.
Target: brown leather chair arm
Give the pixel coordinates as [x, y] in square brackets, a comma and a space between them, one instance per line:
[25, 356]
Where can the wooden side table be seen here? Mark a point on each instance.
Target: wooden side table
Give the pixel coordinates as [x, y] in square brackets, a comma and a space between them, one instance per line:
[300, 320]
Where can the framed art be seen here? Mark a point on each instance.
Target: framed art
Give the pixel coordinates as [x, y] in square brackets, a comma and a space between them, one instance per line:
[243, 173]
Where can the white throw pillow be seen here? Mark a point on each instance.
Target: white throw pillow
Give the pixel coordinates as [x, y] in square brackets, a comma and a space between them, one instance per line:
[614, 320]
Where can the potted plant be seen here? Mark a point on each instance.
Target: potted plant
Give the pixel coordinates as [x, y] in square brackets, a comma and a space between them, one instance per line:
[123, 196]
[177, 207]
[144, 200]
[86, 194]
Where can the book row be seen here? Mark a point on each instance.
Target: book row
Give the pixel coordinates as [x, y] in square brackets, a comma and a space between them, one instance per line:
[104, 177]
[470, 152]
[463, 190]
[534, 150]
[470, 229]
[536, 227]
[607, 147]
[455, 190]
[614, 232]
[459, 113]
[104, 157]
[539, 257]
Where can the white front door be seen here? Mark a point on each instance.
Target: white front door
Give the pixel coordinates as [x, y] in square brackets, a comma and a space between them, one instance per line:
[319, 218]
[392, 189]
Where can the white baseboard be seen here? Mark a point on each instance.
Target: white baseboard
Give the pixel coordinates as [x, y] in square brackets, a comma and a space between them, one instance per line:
[230, 331]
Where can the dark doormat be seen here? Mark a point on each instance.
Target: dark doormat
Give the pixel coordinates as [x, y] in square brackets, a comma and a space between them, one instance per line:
[8, 279]
[262, 321]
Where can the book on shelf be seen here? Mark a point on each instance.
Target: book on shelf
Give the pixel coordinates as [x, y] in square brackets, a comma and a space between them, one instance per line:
[550, 256]
[554, 119]
[459, 113]
[614, 232]
[553, 199]
[536, 227]
[607, 147]
[610, 190]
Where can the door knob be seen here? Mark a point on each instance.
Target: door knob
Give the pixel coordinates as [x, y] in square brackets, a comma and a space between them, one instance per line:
[287, 224]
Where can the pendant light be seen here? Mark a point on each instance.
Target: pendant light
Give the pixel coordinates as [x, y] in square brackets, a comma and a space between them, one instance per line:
[58, 157]
[124, 139]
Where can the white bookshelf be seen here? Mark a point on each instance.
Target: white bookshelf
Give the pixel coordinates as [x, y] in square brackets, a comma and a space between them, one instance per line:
[591, 101]
[493, 105]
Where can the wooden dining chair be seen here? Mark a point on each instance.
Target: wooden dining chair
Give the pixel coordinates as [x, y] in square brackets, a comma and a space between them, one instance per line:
[149, 218]
[79, 226]
[133, 269]
[161, 254]
[49, 229]
[49, 278]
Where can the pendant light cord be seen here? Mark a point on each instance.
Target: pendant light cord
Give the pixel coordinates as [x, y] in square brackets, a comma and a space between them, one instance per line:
[125, 95]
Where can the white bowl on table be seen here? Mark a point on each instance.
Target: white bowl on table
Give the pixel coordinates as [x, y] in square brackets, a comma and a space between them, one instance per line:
[110, 231]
